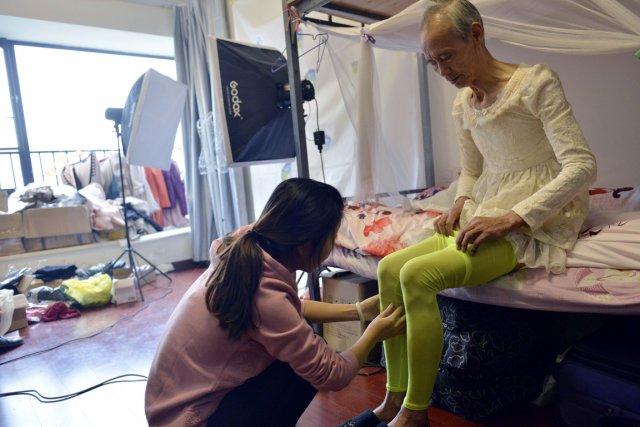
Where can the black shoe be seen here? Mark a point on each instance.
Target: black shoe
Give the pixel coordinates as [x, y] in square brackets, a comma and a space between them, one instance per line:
[9, 343]
[364, 419]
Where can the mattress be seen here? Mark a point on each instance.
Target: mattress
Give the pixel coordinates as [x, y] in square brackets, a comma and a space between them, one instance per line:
[603, 274]
[579, 289]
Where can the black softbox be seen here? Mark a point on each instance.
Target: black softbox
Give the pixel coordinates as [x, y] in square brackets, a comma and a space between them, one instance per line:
[251, 80]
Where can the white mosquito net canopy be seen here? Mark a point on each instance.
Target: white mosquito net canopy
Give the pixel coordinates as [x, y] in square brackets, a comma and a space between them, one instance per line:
[362, 59]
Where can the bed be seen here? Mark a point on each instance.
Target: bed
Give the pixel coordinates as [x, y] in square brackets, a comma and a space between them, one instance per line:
[603, 274]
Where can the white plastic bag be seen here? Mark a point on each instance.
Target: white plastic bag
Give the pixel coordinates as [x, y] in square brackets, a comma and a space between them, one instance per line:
[6, 310]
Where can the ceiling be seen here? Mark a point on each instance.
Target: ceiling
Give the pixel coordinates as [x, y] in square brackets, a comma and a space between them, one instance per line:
[161, 3]
[367, 11]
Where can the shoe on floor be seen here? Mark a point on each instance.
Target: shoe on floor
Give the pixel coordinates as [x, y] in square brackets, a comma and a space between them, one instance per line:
[364, 419]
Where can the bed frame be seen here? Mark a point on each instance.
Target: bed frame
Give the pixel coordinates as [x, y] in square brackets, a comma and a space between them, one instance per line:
[364, 12]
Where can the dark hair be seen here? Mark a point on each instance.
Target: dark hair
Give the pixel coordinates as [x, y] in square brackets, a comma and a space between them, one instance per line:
[462, 14]
[299, 211]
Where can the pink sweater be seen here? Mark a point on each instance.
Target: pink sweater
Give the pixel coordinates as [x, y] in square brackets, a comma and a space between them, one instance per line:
[197, 364]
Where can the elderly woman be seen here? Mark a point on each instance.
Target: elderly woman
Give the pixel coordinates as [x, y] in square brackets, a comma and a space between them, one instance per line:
[521, 198]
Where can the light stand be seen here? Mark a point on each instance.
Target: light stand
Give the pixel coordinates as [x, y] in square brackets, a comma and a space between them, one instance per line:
[115, 114]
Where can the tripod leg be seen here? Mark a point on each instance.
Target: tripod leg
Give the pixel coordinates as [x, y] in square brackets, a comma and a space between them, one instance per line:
[153, 265]
[136, 273]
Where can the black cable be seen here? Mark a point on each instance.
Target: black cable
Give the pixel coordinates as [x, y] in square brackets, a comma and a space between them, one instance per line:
[324, 178]
[55, 399]
[35, 353]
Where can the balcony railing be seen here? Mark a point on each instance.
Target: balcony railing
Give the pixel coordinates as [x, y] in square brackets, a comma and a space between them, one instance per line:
[46, 165]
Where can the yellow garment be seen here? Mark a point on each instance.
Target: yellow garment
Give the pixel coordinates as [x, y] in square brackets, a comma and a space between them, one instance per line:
[412, 278]
[91, 292]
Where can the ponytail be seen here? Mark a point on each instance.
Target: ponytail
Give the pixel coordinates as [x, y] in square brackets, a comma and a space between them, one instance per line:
[300, 211]
[232, 285]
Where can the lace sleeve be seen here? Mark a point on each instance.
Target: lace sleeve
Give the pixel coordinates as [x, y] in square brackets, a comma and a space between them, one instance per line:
[471, 160]
[547, 101]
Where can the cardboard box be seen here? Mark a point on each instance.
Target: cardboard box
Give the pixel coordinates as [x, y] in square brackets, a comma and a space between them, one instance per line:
[4, 201]
[346, 289]
[11, 247]
[123, 289]
[11, 226]
[61, 221]
[56, 242]
[19, 320]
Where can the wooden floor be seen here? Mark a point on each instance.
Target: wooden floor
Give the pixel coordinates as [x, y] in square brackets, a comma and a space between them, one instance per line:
[128, 347]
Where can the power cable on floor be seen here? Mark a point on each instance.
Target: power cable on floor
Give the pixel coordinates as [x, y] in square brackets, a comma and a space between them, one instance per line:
[55, 399]
[35, 353]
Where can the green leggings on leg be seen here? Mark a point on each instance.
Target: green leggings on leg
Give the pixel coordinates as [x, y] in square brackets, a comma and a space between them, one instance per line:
[412, 278]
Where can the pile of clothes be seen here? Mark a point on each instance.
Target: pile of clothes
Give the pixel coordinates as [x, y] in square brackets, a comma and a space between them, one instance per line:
[155, 194]
[62, 291]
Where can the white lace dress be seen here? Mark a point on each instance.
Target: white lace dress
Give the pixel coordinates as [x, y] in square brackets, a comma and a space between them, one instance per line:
[526, 153]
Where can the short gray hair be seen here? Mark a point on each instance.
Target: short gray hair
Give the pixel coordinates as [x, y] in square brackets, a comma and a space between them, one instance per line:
[462, 14]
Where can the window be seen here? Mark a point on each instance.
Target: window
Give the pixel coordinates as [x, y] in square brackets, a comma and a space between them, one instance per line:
[10, 171]
[64, 94]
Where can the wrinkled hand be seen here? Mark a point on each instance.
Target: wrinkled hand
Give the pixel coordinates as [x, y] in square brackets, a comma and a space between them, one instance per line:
[483, 229]
[389, 323]
[448, 221]
[370, 307]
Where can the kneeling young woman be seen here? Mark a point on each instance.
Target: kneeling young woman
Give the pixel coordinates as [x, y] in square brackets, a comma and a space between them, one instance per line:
[238, 350]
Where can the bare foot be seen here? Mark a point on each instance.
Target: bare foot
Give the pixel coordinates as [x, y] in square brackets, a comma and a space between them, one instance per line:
[410, 418]
[389, 408]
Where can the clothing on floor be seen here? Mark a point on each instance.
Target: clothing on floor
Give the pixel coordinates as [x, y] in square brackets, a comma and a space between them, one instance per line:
[412, 278]
[106, 268]
[54, 272]
[59, 310]
[46, 293]
[197, 364]
[13, 280]
[277, 397]
[92, 292]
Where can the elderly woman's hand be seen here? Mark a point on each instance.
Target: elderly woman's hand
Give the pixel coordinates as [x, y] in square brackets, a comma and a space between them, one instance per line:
[448, 221]
[482, 229]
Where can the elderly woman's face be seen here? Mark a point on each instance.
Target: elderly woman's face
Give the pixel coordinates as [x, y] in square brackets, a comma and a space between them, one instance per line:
[452, 57]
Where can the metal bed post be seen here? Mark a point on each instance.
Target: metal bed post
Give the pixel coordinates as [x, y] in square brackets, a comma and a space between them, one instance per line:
[425, 112]
[293, 67]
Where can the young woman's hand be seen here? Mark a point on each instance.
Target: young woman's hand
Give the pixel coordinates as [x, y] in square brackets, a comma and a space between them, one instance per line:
[388, 324]
[370, 307]
[448, 221]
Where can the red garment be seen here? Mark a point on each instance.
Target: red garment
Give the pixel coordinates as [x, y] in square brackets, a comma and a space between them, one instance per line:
[159, 190]
[59, 310]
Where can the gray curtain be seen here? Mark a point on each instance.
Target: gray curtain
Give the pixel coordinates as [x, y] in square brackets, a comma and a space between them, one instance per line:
[216, 195]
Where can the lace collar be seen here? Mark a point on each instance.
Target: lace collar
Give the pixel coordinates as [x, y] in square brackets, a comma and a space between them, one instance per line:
[504, 101]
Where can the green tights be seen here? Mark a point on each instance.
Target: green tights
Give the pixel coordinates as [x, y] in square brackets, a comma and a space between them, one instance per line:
[412, 278]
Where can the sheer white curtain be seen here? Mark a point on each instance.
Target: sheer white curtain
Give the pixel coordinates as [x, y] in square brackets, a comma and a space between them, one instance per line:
[215, 194]
[560, 26]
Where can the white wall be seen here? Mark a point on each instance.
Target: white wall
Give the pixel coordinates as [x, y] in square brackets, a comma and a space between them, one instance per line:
[604, 91]
[113, 14]
[102, 24]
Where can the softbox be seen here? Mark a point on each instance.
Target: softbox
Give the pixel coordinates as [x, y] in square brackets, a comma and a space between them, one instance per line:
[150, 119]
[252, 83]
